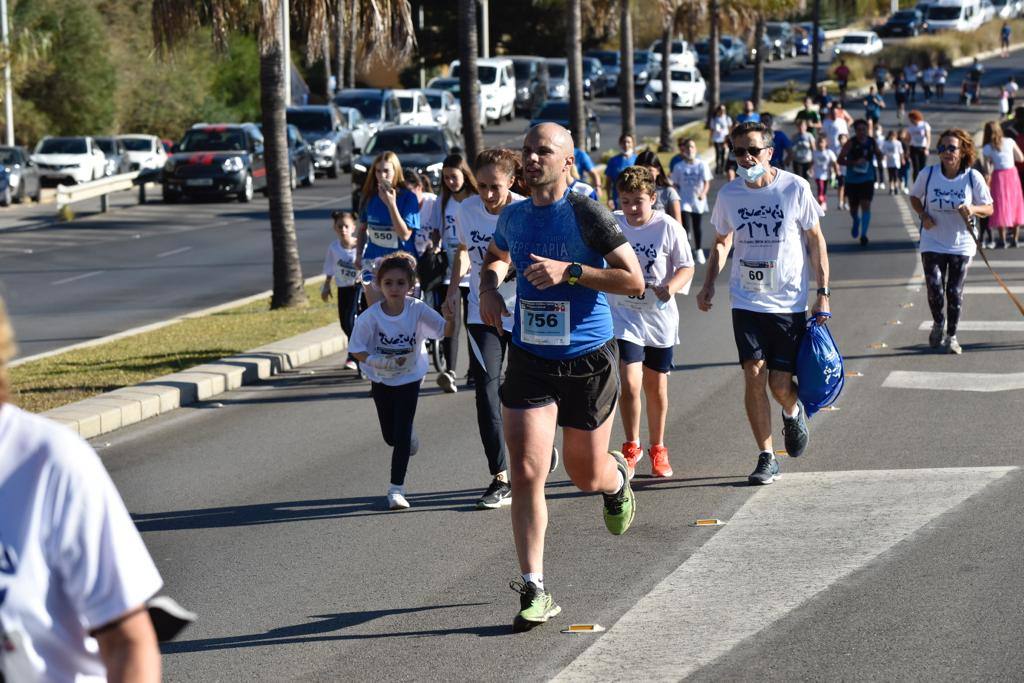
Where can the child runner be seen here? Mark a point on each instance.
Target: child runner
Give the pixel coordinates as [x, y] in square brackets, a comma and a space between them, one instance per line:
[693, 178]
[825, 167]
[892, 154]
[803, 150]
[841, 175]
[941, 74]
[340, 266]
[719, 126]
[389, 219]
[457, 185]
[647, 326]
[666, 197]
[388, 341]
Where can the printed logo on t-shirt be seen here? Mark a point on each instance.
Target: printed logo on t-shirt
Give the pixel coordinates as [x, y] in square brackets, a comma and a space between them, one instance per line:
[764, 221]
[647, 255]
[480, 242]
[948, 200]
[8, 561]
[400, 343]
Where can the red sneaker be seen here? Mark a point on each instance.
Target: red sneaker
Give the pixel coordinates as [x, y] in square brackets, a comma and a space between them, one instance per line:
[660, 466]
[633, 454]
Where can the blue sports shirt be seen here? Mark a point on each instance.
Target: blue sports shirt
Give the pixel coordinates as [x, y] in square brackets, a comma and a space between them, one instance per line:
[381, 240]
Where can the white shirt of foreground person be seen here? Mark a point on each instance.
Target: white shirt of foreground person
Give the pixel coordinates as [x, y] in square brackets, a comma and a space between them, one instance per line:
[71, 559]
[769, 264]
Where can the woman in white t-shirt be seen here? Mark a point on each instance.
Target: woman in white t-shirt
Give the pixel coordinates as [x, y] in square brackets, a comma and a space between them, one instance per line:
[74, 572]
[720, 125]
[920, 142]
[892, 157]
[457, 185]
[388, 339]
[693, 178]
[946, 196]
[496, 173]
[647, 326]
[1001, 155]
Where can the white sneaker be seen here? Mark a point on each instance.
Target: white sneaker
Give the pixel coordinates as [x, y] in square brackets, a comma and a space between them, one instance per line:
[700, 256]
[953, 346]
[446, 380]
[351, 365]
[906, 190]
[396, 498]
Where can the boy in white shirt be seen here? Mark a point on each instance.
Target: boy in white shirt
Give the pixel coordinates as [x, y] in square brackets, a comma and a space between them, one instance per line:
[647, 326]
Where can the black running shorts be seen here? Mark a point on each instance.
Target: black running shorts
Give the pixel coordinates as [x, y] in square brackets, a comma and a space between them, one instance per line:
[585, 388]
[771, 337]
[654, 358]
[860, 192]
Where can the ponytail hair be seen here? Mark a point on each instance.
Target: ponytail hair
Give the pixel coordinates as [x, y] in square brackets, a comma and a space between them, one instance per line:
[508, 162]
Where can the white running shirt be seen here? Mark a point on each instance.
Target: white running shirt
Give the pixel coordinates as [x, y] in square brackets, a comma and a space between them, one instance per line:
[376, 332]
[769, 263]
[475, 227]
[823, 160]
[1001, 159]
[689, 177]
[949, 236]
[71, 559]
[339, 263]
[918, 133]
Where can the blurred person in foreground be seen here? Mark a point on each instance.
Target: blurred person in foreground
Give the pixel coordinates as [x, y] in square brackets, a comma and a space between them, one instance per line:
[74, 572]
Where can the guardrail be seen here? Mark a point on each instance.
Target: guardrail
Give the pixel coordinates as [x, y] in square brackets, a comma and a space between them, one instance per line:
[103, 187]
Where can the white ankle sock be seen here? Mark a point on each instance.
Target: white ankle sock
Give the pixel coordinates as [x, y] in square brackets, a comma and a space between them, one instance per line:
[538, 579]
[795, 411]
[396, 488]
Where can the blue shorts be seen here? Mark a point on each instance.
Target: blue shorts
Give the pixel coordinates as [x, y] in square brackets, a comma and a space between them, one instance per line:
[659, 360]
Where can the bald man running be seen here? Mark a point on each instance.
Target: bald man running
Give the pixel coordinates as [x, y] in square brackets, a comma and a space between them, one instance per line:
[568, 252]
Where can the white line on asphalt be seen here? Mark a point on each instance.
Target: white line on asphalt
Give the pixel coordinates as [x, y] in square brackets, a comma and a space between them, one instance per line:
[77, 277]
[983, 382]
[992, 289]
[982, 326]
[784, 535]
[172, 252]
[1006, 264]
[914, 232]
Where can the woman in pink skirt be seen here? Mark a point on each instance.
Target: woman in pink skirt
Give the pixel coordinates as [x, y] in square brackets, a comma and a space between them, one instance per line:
[1000, 155]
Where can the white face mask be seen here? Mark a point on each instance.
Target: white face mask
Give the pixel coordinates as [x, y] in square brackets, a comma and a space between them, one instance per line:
[751, 174]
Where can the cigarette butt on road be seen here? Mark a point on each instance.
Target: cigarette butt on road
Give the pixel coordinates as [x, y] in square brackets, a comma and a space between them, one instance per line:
[879, 345]
[584, 628]
[781, 452]
[854, 373]
[893, 322]
[709, 522]
[908, 304]
[830, 409]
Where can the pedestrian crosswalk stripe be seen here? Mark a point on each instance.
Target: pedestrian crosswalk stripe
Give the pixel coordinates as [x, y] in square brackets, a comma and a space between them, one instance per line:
[984, 382]
[782, 545]
[992, 289]
[982, 326]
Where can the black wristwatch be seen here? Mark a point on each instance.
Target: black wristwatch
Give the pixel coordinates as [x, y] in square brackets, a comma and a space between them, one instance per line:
[575, 271]
[824, 291]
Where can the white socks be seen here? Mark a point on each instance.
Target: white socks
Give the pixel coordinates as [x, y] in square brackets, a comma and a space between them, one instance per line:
[537, 579]
[396, 488]
[794, 413]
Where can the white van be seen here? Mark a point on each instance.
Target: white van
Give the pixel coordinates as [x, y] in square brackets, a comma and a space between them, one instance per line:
[953, 15]
[497, 87]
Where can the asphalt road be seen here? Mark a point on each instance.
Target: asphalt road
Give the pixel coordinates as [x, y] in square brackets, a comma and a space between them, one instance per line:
[264, 512]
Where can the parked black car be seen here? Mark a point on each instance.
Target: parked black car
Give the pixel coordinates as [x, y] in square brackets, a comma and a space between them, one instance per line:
[906, 22]
[726, 65]
[557, 111]
[322, 128]
[216, 161]
[300, 158]
[780, 35]
[644, 68]
[22, 172]
[117, 155]
[611, 63]
[379, 107]
[531, 83]
[420, 148]
[593, 78]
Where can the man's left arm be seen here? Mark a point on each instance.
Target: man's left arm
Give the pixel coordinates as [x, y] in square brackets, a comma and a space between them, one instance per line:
[819, 263]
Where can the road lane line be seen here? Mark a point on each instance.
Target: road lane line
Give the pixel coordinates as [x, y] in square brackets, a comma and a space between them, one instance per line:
[172, 252]
[77, 277]
[914, 233]
[1006, 264]
[782, 545]
[992, 289]
[981, 326]
[983, 382]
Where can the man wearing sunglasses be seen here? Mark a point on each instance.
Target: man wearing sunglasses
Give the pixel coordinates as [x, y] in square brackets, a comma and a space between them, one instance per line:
[771, 217]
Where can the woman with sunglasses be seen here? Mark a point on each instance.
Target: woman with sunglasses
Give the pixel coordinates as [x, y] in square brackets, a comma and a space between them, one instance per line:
[947, 196]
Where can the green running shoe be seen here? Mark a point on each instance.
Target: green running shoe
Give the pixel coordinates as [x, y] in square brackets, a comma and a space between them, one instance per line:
[620, 508]
[536, 606]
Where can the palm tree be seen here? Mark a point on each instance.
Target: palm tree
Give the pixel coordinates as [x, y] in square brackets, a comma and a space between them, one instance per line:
[815, 57]
[574, 54]
[350, 46]
[627, 97]
[339, 24]
[469, 85]
[174, 20]
[668, 23]
[714, 68]
[757, 92]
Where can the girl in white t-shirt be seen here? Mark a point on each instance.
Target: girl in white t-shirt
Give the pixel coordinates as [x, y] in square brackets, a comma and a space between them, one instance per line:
[388, 340]
[693, 178]
[647, 326]
[340, 266]
[892, 156]
[824, 167]
[946, 196]
[720, 125]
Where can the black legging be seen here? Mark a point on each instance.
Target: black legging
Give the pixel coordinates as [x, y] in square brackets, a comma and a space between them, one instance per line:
[450, 345]
[691, 221]
[944, 276]
[802, 169]
[487, 379]
[348, 301]
[396, 410]
[720, 152]
[918, 158]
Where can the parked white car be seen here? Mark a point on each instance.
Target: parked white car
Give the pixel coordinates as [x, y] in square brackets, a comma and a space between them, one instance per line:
[687, 86]
[415, 110]
[353, 119]
[858, 43]
[497, 87]
[446, 109]
[77, 159]
[953, 15]
[144, 152]
[681, 55]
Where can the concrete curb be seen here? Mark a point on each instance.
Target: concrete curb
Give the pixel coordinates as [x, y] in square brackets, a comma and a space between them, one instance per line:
[105, 413]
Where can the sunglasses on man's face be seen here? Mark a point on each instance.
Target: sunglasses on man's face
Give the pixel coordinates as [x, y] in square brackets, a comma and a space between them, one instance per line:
[942, 149]
[752, 151]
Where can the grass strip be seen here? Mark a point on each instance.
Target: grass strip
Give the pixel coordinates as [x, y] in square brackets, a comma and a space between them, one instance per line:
[68, 377]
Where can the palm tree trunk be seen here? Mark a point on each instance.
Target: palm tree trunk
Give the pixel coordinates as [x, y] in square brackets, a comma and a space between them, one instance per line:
[627, 96]
[339, 43]
[574, 53]
[665, 139]
[758, 90]
[815, 58]
[350, 48]
[714, 67]
[469, 86]
[288, 283]
[327, 68]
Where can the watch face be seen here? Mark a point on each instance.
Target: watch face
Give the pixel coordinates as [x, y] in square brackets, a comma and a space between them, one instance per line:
[575, 270]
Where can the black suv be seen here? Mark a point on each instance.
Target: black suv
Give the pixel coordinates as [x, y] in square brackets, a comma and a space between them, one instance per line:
[906, 22]
[216, 161]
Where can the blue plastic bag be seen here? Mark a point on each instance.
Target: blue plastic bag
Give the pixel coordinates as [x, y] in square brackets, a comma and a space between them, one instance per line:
[819, 368]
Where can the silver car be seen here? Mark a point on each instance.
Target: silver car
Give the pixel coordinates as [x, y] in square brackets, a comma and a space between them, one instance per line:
[446, 110]
[330, 142]
[22, 173]
[357, 126]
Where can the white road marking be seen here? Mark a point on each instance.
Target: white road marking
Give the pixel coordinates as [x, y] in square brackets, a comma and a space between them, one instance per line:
[782, 544]
[982, 326]
[1005, 264]
[172, 252]
[914, 232]
[984, 382]
[77, 277]
[992, 289]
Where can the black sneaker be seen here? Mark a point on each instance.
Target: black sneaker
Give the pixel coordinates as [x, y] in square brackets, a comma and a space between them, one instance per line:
[554, 459]
[767, 470]
[536, 606]
[935, 337]
[794, 430]
[498, 494]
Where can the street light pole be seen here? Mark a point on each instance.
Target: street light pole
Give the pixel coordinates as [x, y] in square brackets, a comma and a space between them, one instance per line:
[287, 48]
[8, 97]
[485, 33]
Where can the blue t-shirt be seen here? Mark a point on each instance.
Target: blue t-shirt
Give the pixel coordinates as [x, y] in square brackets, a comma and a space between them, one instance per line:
[672, 162]
[381, 240]
[860, 167]
[752, 117]
[616, 165]
[782, 143]
[872, 107]
[564, 321]
[584, 164]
